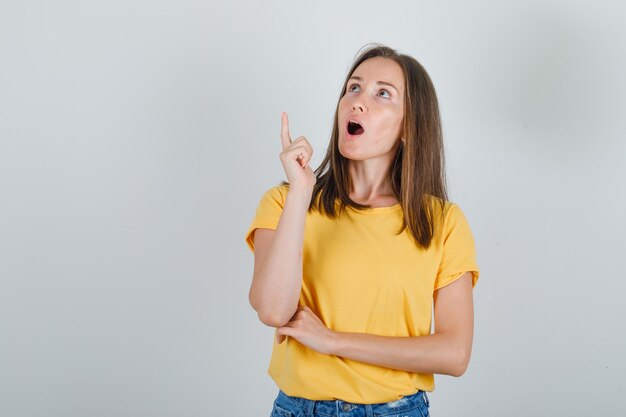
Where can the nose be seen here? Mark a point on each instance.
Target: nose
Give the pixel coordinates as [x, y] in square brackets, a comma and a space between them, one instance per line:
[358, 106]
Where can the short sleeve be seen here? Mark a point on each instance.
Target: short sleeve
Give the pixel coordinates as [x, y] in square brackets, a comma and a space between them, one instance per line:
[268, 212]
[459, 252]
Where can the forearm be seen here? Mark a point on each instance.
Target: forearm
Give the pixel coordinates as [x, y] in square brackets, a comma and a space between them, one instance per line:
[430, 354]
[278, 279]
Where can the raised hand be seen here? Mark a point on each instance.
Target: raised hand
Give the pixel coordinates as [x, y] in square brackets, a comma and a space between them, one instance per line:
[295, 158]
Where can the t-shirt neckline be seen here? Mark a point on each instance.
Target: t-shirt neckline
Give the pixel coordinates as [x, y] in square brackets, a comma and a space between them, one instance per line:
[377, 210]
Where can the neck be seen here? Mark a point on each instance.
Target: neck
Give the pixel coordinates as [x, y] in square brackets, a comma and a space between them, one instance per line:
[370, 180]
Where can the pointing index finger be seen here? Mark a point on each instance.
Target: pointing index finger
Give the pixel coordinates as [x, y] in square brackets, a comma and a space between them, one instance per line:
[285, 138]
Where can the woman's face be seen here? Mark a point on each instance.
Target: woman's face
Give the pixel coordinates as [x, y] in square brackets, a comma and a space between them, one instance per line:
[374, 99]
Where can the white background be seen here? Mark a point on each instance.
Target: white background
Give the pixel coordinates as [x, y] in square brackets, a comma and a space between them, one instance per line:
[136, 138]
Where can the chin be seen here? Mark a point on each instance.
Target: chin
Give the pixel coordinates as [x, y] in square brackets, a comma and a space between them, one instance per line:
[350, 154]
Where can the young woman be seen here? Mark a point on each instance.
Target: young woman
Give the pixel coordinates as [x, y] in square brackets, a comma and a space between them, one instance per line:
[349, 259]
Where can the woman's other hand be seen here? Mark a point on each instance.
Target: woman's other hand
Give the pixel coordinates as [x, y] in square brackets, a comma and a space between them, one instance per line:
[295, 158]
[309, 330]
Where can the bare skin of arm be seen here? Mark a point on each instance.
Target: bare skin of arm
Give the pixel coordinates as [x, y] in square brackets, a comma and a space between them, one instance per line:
[277, 278]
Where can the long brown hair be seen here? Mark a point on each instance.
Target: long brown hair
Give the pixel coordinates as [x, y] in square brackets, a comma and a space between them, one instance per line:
[418, 173]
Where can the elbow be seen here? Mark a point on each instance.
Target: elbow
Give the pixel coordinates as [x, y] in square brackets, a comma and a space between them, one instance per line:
[268, 312]
[459, 363]
[272, 320]
[457, 372]
[270, 317]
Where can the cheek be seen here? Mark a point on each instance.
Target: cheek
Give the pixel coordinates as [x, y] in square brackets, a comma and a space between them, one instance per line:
[343, 103]
[396, 124]
[393, 124]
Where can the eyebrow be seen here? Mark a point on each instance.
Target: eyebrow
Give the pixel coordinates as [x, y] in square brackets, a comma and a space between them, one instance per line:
[377, 82]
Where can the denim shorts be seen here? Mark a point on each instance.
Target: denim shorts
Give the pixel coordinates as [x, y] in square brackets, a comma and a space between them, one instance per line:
[415, 405]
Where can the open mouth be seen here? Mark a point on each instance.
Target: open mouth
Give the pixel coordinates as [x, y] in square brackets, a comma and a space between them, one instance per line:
[354, 128]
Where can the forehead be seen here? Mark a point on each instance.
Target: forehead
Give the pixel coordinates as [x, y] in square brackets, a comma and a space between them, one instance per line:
[381, 69]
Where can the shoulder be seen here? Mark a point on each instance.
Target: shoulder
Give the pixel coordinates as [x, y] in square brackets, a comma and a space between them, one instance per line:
[447, 215]
[452, 211]
[443, 208]
[277, 194]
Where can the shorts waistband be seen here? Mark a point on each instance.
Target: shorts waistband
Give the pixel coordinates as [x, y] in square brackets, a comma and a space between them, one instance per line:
[334, 407]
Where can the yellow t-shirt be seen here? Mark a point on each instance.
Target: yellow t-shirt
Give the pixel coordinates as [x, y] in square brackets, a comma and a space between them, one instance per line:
[360, 276]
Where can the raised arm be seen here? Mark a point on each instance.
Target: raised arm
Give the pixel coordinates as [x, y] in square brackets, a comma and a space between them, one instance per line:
[277, 278]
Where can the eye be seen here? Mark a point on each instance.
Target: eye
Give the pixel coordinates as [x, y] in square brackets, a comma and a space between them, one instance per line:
[351, 89]
[386, 92]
